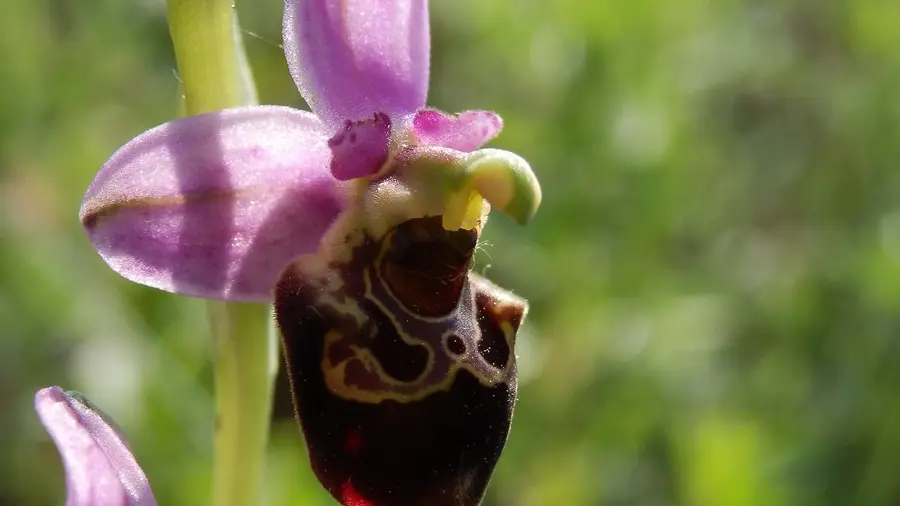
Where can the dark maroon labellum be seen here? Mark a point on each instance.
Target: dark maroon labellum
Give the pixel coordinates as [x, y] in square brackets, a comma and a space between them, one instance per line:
[402, 366]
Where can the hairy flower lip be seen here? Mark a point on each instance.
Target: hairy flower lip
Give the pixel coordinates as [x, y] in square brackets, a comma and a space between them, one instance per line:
[100, 469]
[444, 360]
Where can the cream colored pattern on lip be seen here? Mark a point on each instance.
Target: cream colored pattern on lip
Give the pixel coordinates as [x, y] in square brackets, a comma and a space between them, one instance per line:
[342, 243]
[335, 374]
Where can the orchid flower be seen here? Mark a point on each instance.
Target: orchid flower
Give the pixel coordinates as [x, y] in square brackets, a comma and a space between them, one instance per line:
[100, 469]
[359, 220]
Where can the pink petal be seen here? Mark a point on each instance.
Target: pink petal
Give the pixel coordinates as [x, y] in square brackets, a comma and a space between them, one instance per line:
[466, 131]
[361, 148]
[353, 58]
[215, 205]
[100, 469]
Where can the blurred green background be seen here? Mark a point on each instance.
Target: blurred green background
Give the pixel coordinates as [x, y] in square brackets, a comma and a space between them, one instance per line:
[714, 275]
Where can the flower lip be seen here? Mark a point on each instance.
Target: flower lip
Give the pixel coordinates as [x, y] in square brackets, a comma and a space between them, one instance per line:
[346, 317]
[425, 264]
[413, 235]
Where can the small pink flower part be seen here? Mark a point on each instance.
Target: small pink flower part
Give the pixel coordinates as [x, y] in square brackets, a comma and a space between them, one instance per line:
[215, 205]
[361, 148]
[466, 131]
[100, 469]
[352, 58]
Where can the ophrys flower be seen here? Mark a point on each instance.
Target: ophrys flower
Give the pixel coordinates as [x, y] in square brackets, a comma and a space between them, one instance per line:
[360, 221]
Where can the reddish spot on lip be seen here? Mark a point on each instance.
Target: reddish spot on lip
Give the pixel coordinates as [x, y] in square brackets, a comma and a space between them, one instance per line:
[351, 497]
[353, 442]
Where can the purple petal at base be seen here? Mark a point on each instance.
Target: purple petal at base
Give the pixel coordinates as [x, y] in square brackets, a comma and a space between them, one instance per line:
[352, 58]
[100, 469]
[361, 148]
[215, 205]
[466, 131]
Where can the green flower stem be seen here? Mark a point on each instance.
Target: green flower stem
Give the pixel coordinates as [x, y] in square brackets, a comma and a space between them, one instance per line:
[214, 75]
[245, 366]
[204, 35]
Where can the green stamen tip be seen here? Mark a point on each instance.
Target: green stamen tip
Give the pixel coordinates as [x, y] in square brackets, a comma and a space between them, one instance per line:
[506, 181]
[457, 185]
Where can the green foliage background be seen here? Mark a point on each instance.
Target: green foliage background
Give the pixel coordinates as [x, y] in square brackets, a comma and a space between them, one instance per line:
[714, 275]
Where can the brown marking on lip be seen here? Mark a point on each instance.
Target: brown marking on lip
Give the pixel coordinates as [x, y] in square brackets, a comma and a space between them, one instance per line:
[398, 430]
[400, 360]
[456, 345]
[492, 345]
[425, 265]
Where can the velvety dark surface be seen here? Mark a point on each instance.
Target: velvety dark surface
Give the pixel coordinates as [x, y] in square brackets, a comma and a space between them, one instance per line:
[438, 450]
